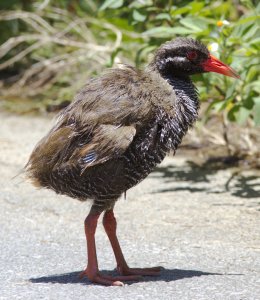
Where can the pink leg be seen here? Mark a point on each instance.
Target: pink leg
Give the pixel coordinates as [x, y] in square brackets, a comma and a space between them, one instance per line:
[109, 223]
[92, 271]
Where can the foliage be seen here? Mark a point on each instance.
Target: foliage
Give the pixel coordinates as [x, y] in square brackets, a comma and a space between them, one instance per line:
[50, 47]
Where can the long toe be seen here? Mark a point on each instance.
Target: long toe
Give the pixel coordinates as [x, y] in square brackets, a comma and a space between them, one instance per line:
[123, 277]
[155, 271]
[103, 279]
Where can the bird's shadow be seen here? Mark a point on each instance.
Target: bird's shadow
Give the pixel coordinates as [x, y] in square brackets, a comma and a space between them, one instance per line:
[166, 275]
[237, 184]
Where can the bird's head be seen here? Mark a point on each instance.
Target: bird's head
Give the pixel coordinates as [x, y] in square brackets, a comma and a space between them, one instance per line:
[184, 56]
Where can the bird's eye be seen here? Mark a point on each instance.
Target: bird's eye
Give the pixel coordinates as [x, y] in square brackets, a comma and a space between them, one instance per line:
[192, 55]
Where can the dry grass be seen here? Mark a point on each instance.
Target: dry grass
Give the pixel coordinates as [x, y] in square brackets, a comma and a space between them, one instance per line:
[72, 45]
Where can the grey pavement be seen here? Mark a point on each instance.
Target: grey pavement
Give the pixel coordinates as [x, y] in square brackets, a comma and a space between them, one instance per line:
[201, 225]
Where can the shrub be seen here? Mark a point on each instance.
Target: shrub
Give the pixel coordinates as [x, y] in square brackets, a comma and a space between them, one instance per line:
[49, 48]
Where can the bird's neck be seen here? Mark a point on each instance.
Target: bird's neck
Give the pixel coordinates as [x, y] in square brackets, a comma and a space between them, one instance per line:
[187, 102]
[186, 112]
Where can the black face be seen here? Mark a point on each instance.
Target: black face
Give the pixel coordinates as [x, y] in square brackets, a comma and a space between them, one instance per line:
[181, 57]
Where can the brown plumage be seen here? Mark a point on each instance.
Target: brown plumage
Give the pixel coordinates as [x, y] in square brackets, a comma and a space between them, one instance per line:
[119, 127]
[91, 136]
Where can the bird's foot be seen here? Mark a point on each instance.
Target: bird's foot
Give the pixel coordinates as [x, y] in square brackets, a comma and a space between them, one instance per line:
[155, 271]
[97, 277]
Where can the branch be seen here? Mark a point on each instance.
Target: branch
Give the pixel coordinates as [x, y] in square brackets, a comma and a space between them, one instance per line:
[25, 16]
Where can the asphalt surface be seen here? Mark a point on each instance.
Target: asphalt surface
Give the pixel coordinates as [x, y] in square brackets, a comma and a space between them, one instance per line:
[201, 225]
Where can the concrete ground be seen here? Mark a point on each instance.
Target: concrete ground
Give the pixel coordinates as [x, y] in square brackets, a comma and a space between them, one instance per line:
[201, 225]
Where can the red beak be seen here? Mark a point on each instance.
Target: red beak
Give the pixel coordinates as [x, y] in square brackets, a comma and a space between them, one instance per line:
[212, 64]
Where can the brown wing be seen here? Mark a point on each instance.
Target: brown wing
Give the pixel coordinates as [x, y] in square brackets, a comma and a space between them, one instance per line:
[109, 141]
[102, 121]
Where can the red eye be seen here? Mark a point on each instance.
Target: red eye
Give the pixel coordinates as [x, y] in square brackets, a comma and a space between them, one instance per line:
[192, 55]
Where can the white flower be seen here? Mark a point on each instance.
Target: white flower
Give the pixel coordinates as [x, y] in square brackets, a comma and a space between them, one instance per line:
[213, 47]
[225, 22]
[221, 23]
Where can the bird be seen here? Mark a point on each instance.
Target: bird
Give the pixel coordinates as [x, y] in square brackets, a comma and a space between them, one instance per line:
[119, 126]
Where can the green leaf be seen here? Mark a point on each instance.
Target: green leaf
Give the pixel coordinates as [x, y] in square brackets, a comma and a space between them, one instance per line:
[163, 16]
[137, 16]
[139, 4]
[232, 114]
[258, 8]
[252, 73]
[256, 100]
[250, 33]
[256, 111]
[246, 20]
[167, 32]
[220, 105]
[242, 115]
[111, 4]
[256, 86]
[195, 24]
[114, 54]
[230, 90]
[179, 11]
[196, 6]
[121, 23]
[248, 103]
[143, 53]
